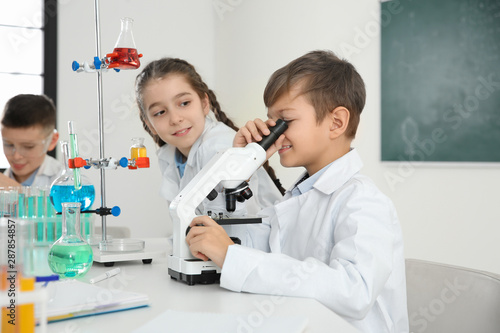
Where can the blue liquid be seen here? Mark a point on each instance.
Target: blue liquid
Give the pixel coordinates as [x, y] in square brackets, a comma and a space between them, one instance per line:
[67, 193]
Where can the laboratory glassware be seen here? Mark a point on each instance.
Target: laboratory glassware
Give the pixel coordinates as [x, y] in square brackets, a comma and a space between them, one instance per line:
[70, 256]
[63, 187]
[137, 150]
[73, 152]
[124, 55]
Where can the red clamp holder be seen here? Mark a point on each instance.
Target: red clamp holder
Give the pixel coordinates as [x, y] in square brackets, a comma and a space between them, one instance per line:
[139, 162]
[76, 162]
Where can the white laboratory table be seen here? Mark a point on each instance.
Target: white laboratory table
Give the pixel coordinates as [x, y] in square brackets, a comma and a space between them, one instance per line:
[168, 294]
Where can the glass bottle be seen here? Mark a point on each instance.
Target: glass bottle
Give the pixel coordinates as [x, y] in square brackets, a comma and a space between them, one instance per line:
[125, 54]
[137, 149]
[63, 187]
[70, 256]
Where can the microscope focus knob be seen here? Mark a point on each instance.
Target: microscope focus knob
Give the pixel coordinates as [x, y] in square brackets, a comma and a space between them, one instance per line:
[212, 195]
[246, 193]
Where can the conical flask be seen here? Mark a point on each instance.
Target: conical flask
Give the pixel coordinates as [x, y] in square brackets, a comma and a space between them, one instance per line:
[125, 54]
[63, 188]
[70, 256]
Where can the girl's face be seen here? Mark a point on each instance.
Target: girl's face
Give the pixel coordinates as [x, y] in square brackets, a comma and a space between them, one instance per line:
[174, 111]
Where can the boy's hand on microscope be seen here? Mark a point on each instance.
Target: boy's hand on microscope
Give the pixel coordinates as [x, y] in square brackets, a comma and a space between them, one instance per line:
[253, 132]
[208, 240]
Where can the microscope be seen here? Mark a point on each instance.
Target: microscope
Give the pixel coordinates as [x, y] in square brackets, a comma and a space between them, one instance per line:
[231, 168]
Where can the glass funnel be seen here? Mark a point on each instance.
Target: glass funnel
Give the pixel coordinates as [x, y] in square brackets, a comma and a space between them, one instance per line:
[125, 54]
[63, 187]
[70, 256]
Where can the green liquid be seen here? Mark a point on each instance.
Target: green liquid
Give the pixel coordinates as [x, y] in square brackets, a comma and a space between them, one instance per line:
[70, 260]
[31, 203]
[40, 207]
[22, 206]
[51, 225]
[40, 230]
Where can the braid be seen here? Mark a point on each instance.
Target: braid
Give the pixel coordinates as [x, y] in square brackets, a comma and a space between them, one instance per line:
[219, 114]
[272, 174]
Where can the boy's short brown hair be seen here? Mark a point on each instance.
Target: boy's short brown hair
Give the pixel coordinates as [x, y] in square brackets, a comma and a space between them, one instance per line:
[26, 110]
[327, 81]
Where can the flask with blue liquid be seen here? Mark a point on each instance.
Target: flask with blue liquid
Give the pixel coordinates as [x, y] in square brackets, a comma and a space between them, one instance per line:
[63, 188]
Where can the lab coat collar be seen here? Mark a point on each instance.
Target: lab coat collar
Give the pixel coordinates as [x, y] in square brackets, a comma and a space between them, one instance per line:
[167, 152]
[336, 175]
[339, 172]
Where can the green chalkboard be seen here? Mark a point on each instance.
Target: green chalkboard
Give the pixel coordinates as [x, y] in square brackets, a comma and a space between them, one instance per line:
[441, 80]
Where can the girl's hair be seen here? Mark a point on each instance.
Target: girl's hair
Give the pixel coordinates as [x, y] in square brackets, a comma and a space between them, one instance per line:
[160, 68]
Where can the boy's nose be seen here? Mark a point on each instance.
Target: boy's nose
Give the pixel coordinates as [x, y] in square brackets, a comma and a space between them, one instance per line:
[17, 155]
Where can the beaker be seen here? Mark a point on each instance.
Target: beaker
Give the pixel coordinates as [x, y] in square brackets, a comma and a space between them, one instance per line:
[70, 256]
[63, 188]
[137, 150]
[125, 54]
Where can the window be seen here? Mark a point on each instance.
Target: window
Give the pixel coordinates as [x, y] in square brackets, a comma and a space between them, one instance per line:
[28, 40]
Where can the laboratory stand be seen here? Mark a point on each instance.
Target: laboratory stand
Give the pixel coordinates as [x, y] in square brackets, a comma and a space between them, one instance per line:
[123, 57]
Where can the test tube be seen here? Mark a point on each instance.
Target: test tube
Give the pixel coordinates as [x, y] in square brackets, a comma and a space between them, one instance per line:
[9, 200]
[46, 213]
[21, 207]
[73, 150]
[30, 198]
[87, 226]
[32, 201]
[2, 201]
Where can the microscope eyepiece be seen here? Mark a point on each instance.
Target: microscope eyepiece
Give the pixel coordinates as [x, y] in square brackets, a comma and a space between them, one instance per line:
[276, 131]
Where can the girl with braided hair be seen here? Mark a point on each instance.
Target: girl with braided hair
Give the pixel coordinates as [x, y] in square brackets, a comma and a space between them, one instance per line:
[186, 121]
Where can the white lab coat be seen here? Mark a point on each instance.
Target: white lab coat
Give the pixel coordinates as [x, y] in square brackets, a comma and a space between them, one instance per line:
[216, 137]
[49, 170]
[339, 243]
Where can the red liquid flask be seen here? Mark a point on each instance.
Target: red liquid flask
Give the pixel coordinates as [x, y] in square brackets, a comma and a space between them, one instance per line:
[124, 58]
[125, 54]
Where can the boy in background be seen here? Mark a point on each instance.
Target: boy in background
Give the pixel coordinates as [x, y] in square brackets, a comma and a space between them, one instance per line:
[28, 132]
[334, 237]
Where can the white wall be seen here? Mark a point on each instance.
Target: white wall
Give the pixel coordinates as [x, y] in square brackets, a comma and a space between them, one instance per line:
[161, 28]
[448, 214]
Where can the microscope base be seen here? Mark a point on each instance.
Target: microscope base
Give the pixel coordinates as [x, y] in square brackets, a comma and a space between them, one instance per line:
[203, 278]
[193, 271]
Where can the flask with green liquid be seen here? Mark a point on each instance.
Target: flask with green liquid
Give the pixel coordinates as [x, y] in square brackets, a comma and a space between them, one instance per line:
[70, 256]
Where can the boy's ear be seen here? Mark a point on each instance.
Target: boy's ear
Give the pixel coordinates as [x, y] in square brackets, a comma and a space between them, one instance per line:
[53, 140]
[339, 120]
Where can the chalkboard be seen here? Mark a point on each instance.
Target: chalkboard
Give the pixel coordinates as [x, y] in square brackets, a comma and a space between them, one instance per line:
[441, 80]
